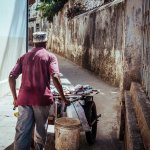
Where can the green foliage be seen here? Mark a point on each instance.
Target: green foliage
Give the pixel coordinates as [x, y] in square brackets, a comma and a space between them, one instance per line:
[50, 8]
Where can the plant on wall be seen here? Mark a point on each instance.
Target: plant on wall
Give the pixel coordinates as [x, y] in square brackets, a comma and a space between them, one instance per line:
[77, 9]
[50, 8]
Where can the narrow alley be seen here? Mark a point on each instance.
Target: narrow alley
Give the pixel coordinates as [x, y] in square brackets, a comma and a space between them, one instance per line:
[107, 104]
[100, 43]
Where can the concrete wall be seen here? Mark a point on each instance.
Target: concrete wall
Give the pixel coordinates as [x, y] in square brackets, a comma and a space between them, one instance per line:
[93, 40]
[106, 40]
[133, 42]
[90, 4]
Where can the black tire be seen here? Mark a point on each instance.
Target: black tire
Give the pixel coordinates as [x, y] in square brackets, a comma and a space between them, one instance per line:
[91, 115]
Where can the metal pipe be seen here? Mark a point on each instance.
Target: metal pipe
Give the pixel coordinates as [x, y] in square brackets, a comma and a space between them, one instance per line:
[27, 17]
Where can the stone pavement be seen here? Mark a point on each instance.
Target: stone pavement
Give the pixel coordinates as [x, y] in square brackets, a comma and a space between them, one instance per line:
[107, 104]
[7, 122]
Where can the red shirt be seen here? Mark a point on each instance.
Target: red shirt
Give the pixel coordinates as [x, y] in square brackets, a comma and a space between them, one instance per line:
[36, 67]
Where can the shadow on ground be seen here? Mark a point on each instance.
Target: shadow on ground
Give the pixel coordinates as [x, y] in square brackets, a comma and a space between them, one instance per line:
[101, 143]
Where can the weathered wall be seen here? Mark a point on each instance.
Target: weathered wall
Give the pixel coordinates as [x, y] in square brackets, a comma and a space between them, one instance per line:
[145, 66]
[133, 42]
[90, 4]
[93, 40]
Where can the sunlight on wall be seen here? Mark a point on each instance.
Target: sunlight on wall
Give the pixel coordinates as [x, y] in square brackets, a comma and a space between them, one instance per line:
[12, 38]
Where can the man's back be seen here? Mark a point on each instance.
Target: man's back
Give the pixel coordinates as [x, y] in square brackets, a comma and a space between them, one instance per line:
[36, 67]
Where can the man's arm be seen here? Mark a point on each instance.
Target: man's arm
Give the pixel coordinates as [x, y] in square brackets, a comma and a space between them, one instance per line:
[12, 84]
[57, 83]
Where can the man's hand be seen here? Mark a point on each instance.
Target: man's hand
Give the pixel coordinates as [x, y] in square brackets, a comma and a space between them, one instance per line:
[57, 83]
[15, 102]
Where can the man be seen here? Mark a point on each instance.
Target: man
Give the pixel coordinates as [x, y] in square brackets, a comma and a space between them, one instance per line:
[34, 98]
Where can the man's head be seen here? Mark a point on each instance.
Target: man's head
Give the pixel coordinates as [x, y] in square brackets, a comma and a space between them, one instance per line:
[40, 39]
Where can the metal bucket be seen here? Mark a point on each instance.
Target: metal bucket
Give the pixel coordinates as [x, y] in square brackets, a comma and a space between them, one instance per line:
[67, 133]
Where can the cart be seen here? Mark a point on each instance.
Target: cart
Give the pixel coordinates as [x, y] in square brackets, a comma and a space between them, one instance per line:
[82, 107]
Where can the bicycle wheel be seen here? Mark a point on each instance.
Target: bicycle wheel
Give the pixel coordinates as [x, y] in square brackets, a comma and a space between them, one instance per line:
[91, 115]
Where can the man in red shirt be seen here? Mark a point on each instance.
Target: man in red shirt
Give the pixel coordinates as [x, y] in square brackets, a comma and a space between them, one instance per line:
[35, 97]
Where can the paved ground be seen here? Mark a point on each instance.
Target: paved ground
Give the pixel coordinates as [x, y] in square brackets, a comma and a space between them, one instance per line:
[7, 122]
[107, 104]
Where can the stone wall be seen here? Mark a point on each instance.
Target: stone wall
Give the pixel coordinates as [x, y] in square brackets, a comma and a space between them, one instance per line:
[93, 40]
